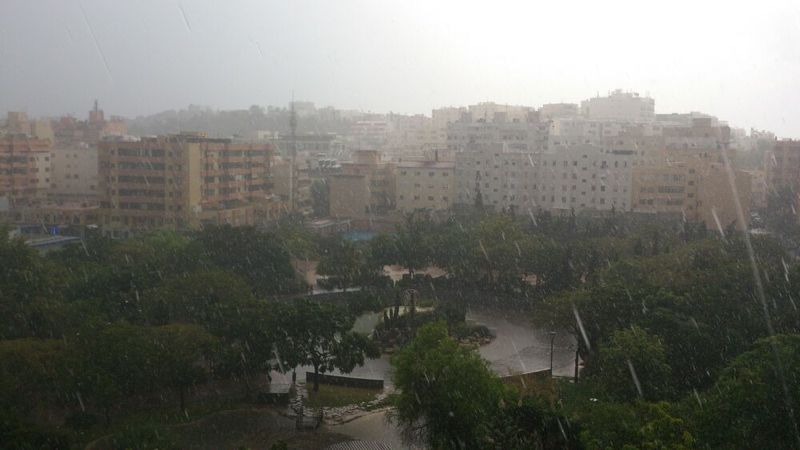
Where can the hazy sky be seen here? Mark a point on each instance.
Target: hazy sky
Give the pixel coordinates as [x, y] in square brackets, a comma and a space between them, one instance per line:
[739, 60]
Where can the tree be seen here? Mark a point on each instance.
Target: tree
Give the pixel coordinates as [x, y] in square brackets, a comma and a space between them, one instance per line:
[748, 403]
[29, 301]
[215, 299]
[180, 355]
[320, 198]
[343, 262]
[410, 249]
[255, 256]
[320, 335]
[447, 395]
[628, 426]
[31, 372]
[631, 364]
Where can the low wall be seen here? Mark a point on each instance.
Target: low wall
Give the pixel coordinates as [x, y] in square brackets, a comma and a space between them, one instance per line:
[339, 380]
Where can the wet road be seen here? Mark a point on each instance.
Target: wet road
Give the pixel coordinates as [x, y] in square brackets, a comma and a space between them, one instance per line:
[518, 347]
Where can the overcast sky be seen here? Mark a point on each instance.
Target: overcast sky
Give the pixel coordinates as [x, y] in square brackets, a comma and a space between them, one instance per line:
[739, 60]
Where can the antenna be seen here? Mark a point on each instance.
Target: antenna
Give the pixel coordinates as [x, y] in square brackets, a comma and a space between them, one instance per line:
[293, 155]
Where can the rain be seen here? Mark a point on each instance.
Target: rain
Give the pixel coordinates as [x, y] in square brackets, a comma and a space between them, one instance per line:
[344, 225]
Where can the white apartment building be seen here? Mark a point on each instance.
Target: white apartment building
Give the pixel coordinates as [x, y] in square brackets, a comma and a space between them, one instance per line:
[488, 111]
[441, 117]
[425, 185]
[578, 178]
[619, 105]
[528, 136]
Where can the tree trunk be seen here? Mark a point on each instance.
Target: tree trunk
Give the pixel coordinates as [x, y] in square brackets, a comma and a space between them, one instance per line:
[107, 416]
[182, 395]
[576, 366]
[316, 378]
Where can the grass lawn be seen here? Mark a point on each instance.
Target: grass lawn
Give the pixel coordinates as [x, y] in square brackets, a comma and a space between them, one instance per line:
[333, 396]
[158, 417]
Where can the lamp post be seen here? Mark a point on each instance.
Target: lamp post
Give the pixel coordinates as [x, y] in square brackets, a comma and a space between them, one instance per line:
[552, 338]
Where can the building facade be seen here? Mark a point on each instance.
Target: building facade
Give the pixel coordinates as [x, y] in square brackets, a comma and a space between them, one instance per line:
[364, 187]
[181, 182]
[425, 185]
[619, 105]
[693, 190]
[24, 170]
[579, 178]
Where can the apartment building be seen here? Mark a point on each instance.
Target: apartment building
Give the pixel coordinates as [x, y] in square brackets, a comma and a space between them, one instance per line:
[527, 136]
[425, 185]
[24, 170]
[579, 178]
[619, 105]
[364, 187]
[441, 117]
[182, 181]
[702, 137]
[414, 134]
[488, 111]
[550, 111]
[782, 165]
[694, 190]
[282, 182]
[73, 174]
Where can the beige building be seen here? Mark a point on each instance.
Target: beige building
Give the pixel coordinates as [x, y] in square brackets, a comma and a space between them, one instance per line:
[425, 185]
[73, 174]
[695, 190]
[758, 189]
[349, 196]
[282, 182]
[24, 170]
[782, 165]
[182, 181]
[364, 187]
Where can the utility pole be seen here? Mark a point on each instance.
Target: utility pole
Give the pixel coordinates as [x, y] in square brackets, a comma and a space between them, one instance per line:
[552, 338]
[293, 127]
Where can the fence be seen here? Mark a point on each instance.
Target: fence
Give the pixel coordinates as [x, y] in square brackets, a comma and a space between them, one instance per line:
[339, 380]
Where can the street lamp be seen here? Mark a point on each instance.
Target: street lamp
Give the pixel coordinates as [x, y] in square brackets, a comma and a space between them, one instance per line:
[552, 338]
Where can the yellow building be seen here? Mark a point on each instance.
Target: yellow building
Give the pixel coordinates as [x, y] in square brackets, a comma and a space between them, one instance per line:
[365, 187]
[182, 181]
[695, 190]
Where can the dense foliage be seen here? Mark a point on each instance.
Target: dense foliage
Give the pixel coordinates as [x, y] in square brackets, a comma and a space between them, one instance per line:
[683, 345]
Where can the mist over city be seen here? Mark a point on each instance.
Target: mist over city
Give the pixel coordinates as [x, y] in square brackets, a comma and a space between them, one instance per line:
[417, 225]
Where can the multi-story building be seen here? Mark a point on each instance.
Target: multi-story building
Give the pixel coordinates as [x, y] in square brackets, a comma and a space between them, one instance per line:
[551, 111]
[425, 185]
[782, 165]
[758, 189]
[70, 132]
[363, 188]
[300, 200]
[527, 136]
[182, 181]
[24, 170]
[370, 133]
[73, 174]
[328, 144]
[489, 111]
[414, 134]
[702, 137]
[619, 105]
[694, 190]
[441, 117]
[579, 178]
